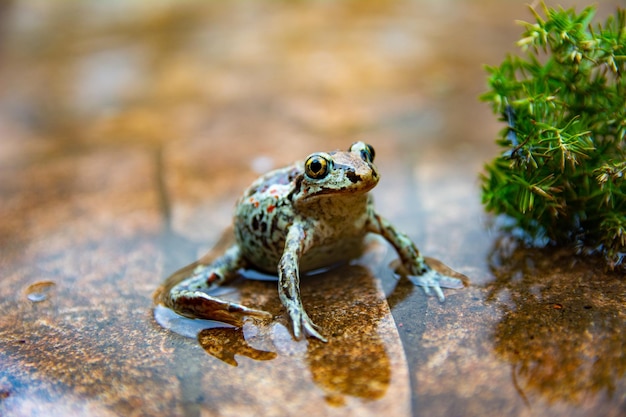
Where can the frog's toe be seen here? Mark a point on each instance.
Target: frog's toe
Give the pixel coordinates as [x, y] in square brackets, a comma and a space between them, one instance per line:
[432, 279]
[310, 329]
[198, 304]
[303, 324]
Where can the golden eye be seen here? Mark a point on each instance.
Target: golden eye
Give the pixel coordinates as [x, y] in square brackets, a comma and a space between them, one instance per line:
[317, 166]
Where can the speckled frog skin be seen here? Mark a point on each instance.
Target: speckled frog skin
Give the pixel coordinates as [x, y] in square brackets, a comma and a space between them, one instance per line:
[301, 217]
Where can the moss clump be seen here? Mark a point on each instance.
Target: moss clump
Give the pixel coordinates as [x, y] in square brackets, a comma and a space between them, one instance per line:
[561, 174]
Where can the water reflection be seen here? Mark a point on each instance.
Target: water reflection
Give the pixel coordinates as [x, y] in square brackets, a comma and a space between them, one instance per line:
[225, 343]
[353, 363]
[564, 327]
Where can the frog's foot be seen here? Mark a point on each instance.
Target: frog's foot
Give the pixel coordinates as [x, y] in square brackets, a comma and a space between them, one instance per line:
[432, 279]
[200, 305]
[302, 322]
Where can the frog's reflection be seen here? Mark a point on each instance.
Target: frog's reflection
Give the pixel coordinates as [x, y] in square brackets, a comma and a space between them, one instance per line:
[354, 361]
[348, 310]
[564, 327]
[224, 343]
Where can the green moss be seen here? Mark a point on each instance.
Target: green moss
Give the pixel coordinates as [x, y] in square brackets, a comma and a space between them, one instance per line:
[562, 168]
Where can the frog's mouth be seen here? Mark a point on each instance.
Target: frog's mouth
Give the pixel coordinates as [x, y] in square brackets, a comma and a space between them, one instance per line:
[339, 191]
[355, 184]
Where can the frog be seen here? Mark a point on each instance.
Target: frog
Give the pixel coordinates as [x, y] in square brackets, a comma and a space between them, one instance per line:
[312, 214]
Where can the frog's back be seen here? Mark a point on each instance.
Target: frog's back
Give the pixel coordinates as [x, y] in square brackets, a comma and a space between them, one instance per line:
[263, 214]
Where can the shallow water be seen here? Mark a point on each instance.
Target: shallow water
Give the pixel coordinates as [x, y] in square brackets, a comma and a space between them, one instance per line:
[128, 132]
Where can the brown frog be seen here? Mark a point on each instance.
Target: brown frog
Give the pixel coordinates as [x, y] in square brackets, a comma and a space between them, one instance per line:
[302, 217]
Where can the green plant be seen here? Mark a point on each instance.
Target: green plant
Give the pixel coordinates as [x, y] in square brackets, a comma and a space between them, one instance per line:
[562, 171]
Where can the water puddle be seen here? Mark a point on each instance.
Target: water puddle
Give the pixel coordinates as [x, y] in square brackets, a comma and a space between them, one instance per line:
[348, 305]
[564, 325]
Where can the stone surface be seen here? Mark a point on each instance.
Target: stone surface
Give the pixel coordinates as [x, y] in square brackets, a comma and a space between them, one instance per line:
[127, 130]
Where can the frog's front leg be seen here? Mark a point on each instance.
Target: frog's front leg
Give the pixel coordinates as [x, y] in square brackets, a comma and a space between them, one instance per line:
[419, 272]
[190, 299]
[289, 282]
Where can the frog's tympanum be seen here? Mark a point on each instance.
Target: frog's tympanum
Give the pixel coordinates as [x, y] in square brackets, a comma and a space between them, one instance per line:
[306, 216]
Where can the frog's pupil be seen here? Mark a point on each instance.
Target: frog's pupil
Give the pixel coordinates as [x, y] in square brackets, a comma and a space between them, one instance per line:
[316, 166]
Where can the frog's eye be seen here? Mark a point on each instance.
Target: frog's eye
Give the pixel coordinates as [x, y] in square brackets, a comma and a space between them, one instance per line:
[317, 166]
[367, 151]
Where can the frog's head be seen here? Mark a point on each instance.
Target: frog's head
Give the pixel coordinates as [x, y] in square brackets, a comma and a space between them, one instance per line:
[339, 172]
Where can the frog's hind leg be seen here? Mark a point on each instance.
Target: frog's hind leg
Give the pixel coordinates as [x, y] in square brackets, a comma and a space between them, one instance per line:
[190, 299]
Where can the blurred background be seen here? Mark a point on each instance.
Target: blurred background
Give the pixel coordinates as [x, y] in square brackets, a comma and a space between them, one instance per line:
[227, 90]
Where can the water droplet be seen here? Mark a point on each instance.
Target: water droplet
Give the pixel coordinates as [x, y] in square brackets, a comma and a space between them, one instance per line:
[39, 291]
